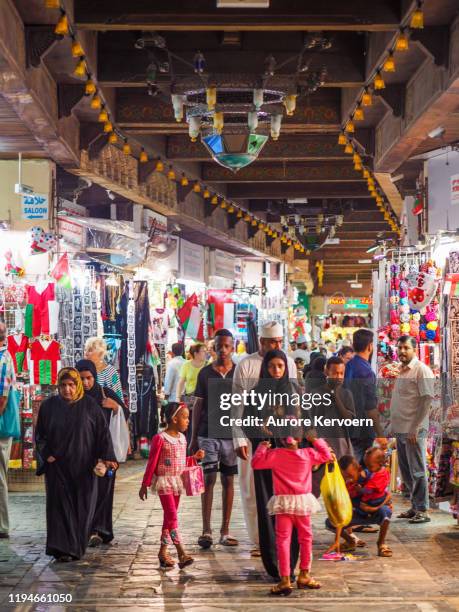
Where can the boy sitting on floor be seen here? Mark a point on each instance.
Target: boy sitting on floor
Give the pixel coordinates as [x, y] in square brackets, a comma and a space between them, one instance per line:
[370, 499]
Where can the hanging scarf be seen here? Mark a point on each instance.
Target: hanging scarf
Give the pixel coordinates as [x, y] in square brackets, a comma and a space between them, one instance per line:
[72, 374]
[96, 392]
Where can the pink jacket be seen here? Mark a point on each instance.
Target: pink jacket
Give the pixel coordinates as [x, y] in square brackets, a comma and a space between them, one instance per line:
[292, 469]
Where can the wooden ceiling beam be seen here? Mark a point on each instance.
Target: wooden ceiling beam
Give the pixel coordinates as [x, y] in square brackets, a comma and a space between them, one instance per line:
[301, 147]
[282, 15]
[306, 172]
[279, 190]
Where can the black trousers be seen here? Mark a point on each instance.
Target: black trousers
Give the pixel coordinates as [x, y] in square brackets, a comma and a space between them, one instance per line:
[266, 523]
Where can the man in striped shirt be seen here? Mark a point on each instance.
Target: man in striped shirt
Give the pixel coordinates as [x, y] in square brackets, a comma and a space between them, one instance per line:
[7, 379]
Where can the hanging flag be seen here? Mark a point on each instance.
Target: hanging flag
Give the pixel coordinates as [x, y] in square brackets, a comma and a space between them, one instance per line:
[61, 272]
[189, 316]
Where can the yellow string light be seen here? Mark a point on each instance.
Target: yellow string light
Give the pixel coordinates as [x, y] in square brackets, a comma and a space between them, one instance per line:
[239, 214]
[108, 127]
[359, 114]
[159, 167]
[247, 218]
[143, 157]
[62, 26]
[356, 158]
[103, 116]
[126, 147]
[214, 200]
[254, 223]
[52, 4]
[366, 174]
[367, 98]
[389, 64]
[349, 148]
[184, 181]
[197, 187]
[402, 43]
[90, 87]
[417, 18]
[349, 127]
[231, 209]
[223, 204]
[80, 68]
[379, 81]
[171, 174]
[358, 166]
[113, 138]
[96, 102]
[206, 194]
[342, 139]
[77, 49]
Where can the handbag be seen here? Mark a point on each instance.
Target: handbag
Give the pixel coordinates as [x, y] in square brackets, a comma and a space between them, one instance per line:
[120, 434]
[193, 478]
[10, 426]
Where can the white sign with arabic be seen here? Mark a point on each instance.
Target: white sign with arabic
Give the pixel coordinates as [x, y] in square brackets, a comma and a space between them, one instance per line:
[35, 206]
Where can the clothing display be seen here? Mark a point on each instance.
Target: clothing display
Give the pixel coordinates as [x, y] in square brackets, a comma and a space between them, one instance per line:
[145, 418]
[42, 311]
[45, 362]
[18, 345]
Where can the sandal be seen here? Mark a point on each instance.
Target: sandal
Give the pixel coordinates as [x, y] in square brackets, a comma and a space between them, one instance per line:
[347, 547]
[166, 561]
[408, 514]
[312, 583]
[228, 540]
[365, 529]
[255, 552]
[205, 540]
[282, 590]
[185, 560]
[384, 551]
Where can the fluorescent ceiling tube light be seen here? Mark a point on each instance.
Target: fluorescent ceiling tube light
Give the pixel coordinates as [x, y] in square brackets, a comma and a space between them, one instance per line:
[242, 3]
[437, 132]
[365, 261]
[373, 248]
[356, 285]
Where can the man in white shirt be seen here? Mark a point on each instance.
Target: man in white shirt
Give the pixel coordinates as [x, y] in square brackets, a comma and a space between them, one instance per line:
[172, 377]
[409, 422]
[246, 377]
[301, 352]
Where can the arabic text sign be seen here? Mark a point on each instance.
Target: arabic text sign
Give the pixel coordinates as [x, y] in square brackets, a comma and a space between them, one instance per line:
[35, 206]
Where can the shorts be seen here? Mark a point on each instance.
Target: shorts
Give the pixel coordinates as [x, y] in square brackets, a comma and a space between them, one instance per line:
[220, 455]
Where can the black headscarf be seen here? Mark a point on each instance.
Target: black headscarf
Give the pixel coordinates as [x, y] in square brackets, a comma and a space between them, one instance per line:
[96, 392]
[279, 385]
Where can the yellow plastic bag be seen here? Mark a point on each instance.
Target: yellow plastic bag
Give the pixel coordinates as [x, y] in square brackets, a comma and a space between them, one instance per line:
[335, 496]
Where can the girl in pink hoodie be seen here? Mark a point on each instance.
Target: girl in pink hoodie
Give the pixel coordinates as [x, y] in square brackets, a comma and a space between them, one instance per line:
[292, 502]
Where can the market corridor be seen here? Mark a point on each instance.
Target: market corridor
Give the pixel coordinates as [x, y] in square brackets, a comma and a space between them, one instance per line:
[423, 574]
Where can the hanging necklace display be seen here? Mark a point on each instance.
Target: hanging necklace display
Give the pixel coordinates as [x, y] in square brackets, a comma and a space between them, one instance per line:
[132, 379]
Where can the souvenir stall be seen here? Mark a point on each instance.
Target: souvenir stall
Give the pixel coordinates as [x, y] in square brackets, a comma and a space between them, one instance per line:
[412, 292]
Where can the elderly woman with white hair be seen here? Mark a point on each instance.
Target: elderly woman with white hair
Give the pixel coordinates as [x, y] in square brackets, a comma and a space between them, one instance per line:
[96, 350]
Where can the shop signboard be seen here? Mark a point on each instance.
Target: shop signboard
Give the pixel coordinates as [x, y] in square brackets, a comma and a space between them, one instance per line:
[191, 261]
[151, 217]
[35, 206]
[455, 189]
[222, 264]
[350, 303]
[72, 232]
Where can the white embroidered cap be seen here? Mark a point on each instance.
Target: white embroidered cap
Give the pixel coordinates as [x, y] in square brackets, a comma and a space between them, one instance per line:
[272, 330]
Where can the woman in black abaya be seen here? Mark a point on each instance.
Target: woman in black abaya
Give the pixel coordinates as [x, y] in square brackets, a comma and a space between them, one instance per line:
[71, 437]
[273, 380]
[108, 401]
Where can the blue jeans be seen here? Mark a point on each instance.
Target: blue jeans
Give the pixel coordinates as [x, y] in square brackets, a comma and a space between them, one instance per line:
[412, 462]
[359, 517]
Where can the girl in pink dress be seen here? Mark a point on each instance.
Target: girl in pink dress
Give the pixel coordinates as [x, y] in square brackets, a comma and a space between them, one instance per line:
[292, 502]
[166, 462]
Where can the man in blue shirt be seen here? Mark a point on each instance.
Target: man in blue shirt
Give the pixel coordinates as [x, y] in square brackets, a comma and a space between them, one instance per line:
[361, 380]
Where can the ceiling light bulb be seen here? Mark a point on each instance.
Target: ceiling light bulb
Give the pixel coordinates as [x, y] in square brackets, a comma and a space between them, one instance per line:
[108, 127]
[184, 181]
[342, 139]
[96, 102]
[126, 148]
[417, 18]
[171, 174]
[359, 114]
[90, 87]
[62, 26]
[367, 98]
[206, 194]
[214, 200]
[349, 127]
[349, 148]
[143, 158]
[103, 116]
[389, 64]
[402, 43]
[197, 187]
[113, 138]
[77, 49]
[211, 98]
[379, 81]
[159, 166]
[80, 68]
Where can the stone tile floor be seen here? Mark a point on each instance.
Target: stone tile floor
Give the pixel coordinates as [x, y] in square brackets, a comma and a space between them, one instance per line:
[423, 575]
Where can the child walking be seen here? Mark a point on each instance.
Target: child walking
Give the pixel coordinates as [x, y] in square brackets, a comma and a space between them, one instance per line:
[166, 462]
[292, 502]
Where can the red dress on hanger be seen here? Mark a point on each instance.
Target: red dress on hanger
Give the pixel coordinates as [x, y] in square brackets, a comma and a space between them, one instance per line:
[17, 348]
[42, 306]
[45, 358]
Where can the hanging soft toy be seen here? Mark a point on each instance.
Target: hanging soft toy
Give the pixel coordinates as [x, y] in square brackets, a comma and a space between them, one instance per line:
[414, 328]
[11, 266]
[41, 241]
[423, 292]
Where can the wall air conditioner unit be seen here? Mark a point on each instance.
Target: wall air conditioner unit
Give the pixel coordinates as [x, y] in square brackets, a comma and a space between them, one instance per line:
[242, 3]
